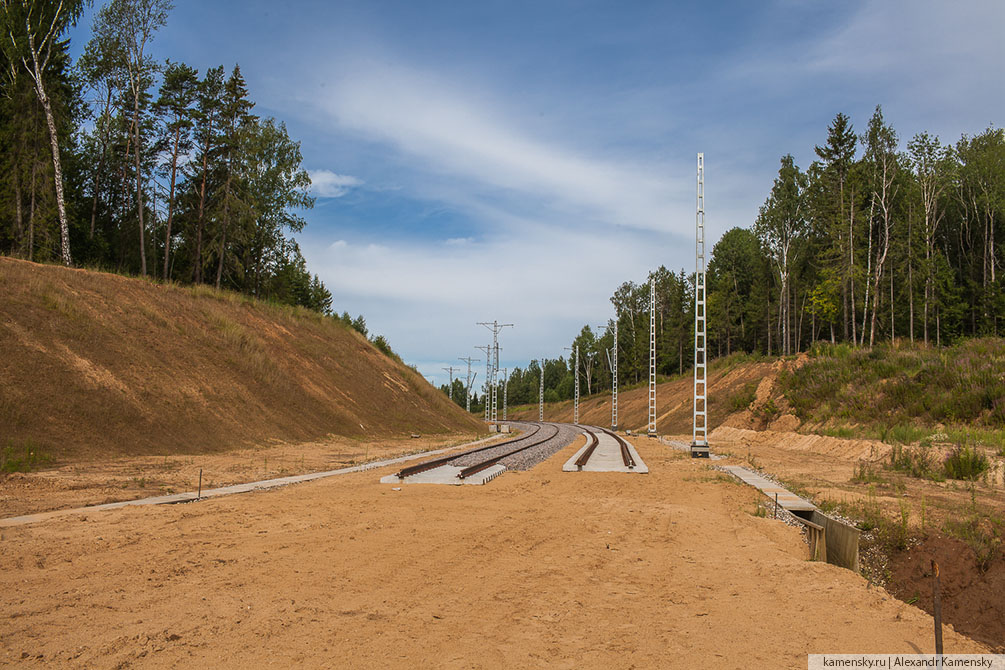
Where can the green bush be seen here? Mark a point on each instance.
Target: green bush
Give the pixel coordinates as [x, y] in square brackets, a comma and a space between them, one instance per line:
[918, 462]
[25, 458]
[742, 400]
[965, 462]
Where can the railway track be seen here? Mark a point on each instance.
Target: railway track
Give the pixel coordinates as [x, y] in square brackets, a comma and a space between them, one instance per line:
[592, 433]
[489, 455]
[489, 462]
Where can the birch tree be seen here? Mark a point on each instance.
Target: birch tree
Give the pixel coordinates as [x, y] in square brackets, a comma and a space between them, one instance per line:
[880, 142]
[931, 162]
[32, 29]
[781, 225]
[130, 26]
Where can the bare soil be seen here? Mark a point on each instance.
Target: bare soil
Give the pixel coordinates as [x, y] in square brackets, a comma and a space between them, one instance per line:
[971, 599]
[96, 366]
[537, 569]
[823, 469]
[129, 478]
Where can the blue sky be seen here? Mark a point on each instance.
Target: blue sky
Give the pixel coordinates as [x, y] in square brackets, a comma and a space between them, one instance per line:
[519, 160]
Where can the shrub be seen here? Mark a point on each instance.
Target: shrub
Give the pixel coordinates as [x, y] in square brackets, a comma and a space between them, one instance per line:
[965, 462]
[982, 533]
[742, 400]
[915, 462]
[22, 459]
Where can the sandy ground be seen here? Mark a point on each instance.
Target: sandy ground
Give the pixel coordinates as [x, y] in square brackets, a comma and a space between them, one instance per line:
[129, 478]
[824, 467]
[537, 569]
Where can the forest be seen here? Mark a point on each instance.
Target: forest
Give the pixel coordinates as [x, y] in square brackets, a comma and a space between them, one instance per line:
[875, 241]
[132, 163]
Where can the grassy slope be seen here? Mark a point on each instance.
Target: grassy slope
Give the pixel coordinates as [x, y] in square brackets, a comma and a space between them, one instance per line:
[731, 380]
[96, 364]
[900, 394]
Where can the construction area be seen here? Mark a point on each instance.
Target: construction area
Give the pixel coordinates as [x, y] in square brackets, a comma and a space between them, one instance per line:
[539, 568]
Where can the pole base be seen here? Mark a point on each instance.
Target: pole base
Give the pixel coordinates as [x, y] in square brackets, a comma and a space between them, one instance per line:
[699, 450]
[651, 433]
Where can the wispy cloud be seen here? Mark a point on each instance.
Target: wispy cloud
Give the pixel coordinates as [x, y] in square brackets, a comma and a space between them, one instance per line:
[447, 130]
[328, 184]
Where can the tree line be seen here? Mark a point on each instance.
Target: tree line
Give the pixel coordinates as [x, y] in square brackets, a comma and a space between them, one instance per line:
[128, 163]
[873, 242]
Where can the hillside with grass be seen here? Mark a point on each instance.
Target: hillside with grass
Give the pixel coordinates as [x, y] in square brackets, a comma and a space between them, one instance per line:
[96, 365]
[899, 394]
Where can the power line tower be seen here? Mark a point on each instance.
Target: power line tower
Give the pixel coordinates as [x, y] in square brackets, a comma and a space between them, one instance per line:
[496, 328]
[575, 411]
[470, 379]
[652, 357]
[540, 397]
[488, 377]
[612, 361]
[450, 389]
[505, 390]
[699, 430]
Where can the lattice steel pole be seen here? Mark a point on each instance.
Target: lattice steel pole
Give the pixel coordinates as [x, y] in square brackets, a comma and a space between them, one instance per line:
[470, 379]
[699, 424]
[540, 398]
[496, 328]
[450, 389]
[488, 376]
[612, 362]
[652, 357]
[505, 390]
[575, 411]
[614, 416]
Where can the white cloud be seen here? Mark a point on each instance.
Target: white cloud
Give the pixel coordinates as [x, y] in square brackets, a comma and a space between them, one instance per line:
[445, 130]
[328, 184]
[427, 298]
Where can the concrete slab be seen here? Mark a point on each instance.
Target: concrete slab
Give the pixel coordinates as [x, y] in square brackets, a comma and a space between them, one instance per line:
[681, 446]
[606, 458]
[786, 499]
[447, 474]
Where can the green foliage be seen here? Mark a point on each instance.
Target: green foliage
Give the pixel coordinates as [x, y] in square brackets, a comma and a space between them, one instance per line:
[982, 531]
[897, 387]
[381, 343]
[965, 462]
[917, 462]
[744, 398]
[767, 412]
[22, 458]
[867, 473]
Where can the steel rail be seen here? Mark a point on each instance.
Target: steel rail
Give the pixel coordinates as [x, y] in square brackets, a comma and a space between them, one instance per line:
[443, 460]
[478, 467]
[585, 456]
[626, 453]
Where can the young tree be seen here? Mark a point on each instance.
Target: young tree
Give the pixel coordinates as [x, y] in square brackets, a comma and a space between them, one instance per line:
[237, 117]
[932, 164]
[208, 110]
[837, 158]
[780, 226]
[175, 106]
[130, 25]
[880, 142]
[30, 39]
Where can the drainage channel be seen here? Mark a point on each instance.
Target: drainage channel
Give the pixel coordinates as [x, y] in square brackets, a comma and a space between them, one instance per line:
[830, 540]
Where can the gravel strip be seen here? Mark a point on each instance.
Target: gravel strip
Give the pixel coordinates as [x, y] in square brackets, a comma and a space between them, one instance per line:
[531, 457]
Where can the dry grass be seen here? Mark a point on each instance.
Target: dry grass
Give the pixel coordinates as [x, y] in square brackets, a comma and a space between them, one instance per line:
[98, 365]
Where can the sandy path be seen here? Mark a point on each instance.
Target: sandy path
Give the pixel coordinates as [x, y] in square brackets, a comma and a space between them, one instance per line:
[537, 569]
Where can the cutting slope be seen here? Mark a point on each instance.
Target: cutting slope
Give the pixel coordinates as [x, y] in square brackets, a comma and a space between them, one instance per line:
[729, 380]
[97, 365]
